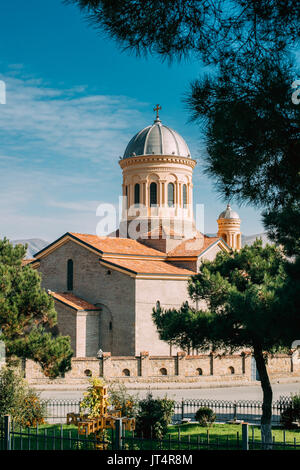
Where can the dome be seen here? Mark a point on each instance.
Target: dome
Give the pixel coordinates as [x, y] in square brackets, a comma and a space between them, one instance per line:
[229, 213]
[157, 139]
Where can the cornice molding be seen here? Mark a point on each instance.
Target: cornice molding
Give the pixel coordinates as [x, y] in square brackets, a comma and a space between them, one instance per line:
[173, 159]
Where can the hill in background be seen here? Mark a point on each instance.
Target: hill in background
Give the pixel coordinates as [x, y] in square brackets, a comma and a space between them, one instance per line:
[37, 244]
[250, 239]
[34, 245]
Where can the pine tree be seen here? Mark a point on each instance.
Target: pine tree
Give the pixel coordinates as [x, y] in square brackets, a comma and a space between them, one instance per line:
[27, 315]
[246, 309]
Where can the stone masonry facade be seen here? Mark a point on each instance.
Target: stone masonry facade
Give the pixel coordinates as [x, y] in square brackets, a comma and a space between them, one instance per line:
[210, 370]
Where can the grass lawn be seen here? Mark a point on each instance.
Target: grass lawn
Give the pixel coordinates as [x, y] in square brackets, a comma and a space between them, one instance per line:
[230, 435]
[180, 437]
[219, 436]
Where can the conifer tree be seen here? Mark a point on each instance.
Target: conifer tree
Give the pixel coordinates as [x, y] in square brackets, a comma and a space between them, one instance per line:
[246, 308]
[27, 315]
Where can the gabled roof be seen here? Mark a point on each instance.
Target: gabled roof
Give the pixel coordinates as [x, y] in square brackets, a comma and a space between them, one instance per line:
[147, 267]
[109, 245]
[27, 261]
[72, 301]
[195, 247]
[136, 259]
[105, 246]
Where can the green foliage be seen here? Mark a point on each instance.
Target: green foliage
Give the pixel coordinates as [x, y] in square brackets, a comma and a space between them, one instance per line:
[211, 31]
[93, 400]
[33, 411]
[154, 416]
[291, 414]
[12, 392]
[252, 302]
[205, 416]
[18, 400]
[27, 315]
[121, 400]
[252, 139]
[242, 292]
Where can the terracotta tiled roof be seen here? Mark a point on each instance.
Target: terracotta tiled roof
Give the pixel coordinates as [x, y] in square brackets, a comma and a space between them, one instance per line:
[148, 266]
[27, 261]
[117, 245]
[73, 301]
[193, 247]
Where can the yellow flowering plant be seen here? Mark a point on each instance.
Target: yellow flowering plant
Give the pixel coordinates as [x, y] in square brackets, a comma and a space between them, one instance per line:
[93, 400]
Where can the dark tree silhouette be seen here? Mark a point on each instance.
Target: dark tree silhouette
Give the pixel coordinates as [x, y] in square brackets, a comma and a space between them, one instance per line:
[251, 303]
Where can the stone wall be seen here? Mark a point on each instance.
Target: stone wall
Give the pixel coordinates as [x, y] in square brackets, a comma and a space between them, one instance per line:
[66, 322]
[171, 294]
[93, 284]
[201, 369]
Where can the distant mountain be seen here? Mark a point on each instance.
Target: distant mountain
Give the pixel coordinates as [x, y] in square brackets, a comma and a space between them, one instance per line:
[34, 245]
[249, 239]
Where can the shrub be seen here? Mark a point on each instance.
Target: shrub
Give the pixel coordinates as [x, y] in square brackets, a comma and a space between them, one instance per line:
[12, 392]
[33, 411]
[121, 400]
[205, 416]
[154, 416]
[92, 400]
[291, 413]
[18, 400]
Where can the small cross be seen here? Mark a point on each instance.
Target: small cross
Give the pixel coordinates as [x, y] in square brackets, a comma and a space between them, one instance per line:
[157, 108]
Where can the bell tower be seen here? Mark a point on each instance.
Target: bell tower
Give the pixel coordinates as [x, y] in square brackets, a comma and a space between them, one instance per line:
[229, 228]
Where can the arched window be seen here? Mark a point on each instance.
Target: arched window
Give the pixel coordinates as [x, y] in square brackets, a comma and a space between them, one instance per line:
[163, 371]
[184, 196]
[231, 370]
[137, 193]
[153, 194]
[126, 372]
[70, 274]
[199, 371]
[171, 195]
[157, 305]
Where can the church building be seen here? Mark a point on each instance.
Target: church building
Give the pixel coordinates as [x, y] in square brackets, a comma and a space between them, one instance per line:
[106, 287]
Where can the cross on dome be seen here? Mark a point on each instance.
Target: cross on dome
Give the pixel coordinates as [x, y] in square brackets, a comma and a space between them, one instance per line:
[157, 108]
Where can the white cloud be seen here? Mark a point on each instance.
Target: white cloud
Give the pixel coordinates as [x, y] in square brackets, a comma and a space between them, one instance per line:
[81, 206]
[59, 154]
[68, 122]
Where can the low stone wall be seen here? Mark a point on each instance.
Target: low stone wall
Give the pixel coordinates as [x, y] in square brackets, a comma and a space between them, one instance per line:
[206, 368]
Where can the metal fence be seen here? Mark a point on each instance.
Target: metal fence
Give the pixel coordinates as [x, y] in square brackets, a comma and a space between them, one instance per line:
[57, 410]
[15, 437]
[59, 438]
[247, 410]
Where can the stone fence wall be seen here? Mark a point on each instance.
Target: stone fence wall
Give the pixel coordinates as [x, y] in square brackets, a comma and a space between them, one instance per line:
[209, 368]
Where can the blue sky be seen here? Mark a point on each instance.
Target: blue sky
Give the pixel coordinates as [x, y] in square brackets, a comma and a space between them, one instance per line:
[74, 100]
